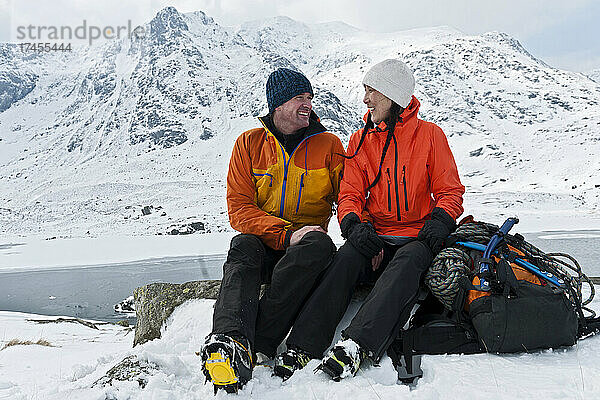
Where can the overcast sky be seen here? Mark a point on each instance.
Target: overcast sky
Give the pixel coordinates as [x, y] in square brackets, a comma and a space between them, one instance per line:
[565, 34]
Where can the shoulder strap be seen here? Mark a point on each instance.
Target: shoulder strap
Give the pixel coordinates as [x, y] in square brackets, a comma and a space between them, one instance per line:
[506, 276]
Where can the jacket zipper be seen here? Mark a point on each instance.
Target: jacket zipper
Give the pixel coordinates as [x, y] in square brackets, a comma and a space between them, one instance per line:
[286, 163]
[404, 183]
[300, 191]
[388, 193]
[285, 171]
[396, 178]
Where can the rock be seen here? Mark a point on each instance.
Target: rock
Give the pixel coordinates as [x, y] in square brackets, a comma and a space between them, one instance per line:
[186, 229]
[147, 210]
[93, 325]
[130, 369]
[126, 306]
[154, 303]
[197, 226]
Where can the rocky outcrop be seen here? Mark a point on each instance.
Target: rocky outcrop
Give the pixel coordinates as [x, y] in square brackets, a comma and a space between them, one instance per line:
[154, 303]
[130, 369]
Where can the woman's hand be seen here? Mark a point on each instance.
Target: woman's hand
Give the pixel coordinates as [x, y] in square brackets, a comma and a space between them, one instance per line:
[435, 231]
[376, 261]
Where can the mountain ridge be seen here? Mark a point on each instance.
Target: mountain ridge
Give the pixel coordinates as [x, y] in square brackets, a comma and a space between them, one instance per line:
[151, 120]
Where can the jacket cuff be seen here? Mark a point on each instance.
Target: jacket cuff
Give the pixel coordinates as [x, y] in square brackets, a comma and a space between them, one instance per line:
[287, 237]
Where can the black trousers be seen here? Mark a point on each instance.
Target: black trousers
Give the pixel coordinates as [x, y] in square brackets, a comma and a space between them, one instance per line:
[293, 274]
[383, 313]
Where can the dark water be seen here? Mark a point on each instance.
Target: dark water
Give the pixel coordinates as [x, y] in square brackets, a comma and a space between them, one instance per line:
[91, 292]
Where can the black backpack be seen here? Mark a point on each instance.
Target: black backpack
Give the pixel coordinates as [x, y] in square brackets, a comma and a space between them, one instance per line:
[431, 330]
[522, 317]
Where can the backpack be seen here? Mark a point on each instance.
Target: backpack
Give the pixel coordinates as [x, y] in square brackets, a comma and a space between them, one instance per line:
[431, 330]
[520, 312]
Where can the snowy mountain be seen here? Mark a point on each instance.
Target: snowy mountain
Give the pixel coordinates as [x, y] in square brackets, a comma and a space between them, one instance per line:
[594, 75]
[89, 138]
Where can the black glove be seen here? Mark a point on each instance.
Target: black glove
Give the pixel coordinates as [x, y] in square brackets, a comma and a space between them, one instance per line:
[348, 224]
[435, 231]
[365, 240]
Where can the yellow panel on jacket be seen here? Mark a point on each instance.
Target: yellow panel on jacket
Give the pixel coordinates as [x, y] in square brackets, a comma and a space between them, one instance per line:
[270, 191]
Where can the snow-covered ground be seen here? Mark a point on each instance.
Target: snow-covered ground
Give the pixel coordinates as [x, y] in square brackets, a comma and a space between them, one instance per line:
[35, 371]
[82, 355]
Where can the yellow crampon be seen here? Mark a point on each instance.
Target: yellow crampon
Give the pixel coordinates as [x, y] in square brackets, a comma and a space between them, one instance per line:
[220, 370]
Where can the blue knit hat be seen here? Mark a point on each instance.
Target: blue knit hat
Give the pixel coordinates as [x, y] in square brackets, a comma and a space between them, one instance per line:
[283, 84]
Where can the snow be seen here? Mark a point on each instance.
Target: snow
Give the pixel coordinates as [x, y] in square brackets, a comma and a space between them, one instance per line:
[20, 254]
[570, 236]
[84, 355]
[34, 371]
[83, 151]
[73, 182]
[594, 75]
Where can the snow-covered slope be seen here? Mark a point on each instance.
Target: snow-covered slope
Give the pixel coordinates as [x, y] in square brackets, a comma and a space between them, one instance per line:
[88, 138]
[594, 75]
[84, 356]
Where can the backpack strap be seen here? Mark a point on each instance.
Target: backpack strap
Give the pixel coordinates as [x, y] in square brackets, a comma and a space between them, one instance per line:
[506, 277]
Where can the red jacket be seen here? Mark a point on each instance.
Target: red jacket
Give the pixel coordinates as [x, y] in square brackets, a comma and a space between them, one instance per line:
[418, 174]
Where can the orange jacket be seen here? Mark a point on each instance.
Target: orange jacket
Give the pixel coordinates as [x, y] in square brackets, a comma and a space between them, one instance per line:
[418, 174]
[271, 193]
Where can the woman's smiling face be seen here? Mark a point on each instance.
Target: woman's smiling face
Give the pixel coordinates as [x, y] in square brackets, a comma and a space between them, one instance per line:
[378, 105]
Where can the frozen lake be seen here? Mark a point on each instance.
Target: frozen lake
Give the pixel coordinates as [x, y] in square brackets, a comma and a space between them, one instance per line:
[91, 291]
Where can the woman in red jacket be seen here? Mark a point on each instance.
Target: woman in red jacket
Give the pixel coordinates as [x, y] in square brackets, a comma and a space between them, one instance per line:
[399, 198]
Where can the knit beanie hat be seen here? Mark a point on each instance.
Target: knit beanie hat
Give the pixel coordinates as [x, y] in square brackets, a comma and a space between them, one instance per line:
[393, 79]
[283, 84]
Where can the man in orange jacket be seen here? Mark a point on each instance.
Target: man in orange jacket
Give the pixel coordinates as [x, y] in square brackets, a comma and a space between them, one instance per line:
[283, 180]
[399, 199]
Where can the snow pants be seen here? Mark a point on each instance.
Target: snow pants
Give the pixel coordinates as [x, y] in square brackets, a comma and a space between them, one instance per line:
[383, 313]
[292, 275]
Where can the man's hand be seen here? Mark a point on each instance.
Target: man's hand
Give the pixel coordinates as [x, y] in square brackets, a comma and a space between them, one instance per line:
[376, 261]
[299, 234]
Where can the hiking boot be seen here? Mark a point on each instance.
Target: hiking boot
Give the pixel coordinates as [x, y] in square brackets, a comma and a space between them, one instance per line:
[226, 362]
[343, 360]
[290, 361]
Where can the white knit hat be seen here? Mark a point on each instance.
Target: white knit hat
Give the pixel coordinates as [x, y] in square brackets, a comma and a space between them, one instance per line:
[393, 79]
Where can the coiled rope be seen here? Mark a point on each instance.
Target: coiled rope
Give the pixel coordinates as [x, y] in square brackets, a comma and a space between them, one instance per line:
[446, 269]
[452, 263]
